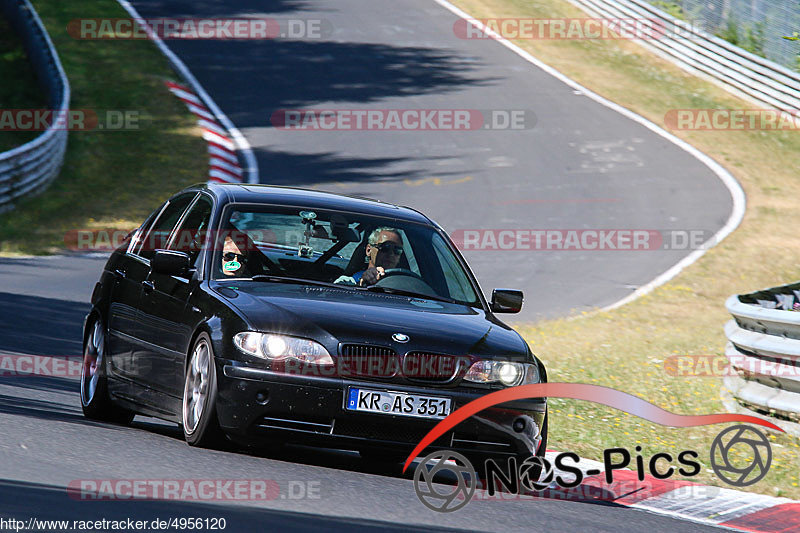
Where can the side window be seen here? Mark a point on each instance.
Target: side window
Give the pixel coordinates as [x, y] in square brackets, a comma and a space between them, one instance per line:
[138, 236]
[458, 285]
[160, 230]
[190, 236]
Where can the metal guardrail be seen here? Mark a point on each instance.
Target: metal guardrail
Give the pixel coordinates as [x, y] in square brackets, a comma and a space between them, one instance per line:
[28, 169]
[764, 348]
[701, 53]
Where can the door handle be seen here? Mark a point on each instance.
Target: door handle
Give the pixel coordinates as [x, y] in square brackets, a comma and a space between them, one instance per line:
[120, 274]
[148, 285]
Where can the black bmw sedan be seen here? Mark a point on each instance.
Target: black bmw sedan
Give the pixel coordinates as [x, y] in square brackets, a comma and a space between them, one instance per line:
[266, 314]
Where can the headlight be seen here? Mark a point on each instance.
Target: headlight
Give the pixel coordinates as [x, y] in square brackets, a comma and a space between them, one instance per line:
[505, 372]
[281, 347]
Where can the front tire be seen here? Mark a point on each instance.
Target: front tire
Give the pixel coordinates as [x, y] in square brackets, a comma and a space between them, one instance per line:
[95, 400]
[199, 416]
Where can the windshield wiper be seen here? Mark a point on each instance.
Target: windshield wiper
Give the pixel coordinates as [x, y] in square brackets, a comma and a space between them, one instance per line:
[286, 279]
[401, 292]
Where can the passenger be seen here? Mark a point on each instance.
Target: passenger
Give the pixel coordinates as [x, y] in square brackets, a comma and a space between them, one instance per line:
[233, 260]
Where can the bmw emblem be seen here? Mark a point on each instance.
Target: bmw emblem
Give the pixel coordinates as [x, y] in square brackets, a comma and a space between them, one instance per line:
[400, 337]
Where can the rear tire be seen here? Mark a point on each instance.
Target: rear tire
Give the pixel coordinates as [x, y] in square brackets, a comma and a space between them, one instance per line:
[95, 400]
[199, 416]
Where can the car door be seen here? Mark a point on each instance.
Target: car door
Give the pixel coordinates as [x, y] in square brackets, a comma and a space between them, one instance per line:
[142, 364]
[165, 310]
[129, 271]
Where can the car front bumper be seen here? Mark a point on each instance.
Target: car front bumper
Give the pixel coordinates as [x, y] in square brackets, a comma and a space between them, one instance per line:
[258, 405]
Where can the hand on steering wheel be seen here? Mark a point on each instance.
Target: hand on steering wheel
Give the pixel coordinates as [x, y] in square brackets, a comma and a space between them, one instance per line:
[399, 272]
[372, 275]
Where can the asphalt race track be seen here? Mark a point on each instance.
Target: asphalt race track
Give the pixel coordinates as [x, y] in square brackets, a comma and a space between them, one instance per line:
[45, 444]
[581, 166]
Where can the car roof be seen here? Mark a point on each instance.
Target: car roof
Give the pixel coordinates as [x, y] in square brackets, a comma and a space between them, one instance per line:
[307, 198]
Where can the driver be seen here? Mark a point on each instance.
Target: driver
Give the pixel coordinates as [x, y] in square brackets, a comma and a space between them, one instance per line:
[384, 249]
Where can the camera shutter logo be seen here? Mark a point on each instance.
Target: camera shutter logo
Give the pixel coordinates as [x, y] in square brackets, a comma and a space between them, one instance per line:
[741, 476]
[536, 473]
[452, 498]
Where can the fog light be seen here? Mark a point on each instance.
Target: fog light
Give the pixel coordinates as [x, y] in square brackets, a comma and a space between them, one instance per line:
[519, 425]
[262, 397]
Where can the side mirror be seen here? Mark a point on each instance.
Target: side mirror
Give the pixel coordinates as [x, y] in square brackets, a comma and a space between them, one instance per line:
[170, 263]
[506, 301]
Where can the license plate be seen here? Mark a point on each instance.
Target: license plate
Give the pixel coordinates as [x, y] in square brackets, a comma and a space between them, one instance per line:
[397, 403]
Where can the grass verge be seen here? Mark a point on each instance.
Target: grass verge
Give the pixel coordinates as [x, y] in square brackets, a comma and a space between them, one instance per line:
[24, 93]
[109, 178]
[626, 348]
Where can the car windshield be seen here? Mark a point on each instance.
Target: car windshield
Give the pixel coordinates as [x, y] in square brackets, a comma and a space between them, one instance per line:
[290, 244]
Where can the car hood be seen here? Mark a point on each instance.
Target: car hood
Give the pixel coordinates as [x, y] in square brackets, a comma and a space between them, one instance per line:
[334, 315]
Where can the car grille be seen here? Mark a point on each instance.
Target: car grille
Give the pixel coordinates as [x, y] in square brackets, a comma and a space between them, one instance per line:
[424, 367]
[367, 360]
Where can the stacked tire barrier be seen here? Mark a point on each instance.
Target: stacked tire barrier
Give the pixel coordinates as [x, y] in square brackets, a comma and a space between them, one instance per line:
[29, 169]
[696, 51]
[764, 351]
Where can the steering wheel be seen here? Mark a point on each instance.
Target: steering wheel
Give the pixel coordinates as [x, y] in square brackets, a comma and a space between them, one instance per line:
[406, 280]
[399, 272]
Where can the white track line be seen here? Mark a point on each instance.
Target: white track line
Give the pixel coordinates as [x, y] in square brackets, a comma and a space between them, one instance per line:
[241, 144]
[736, 192]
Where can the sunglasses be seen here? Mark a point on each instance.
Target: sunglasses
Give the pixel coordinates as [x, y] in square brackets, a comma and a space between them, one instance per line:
[230, 256]
[390, 247]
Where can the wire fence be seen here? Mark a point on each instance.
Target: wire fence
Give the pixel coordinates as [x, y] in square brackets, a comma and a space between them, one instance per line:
[759, 26]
